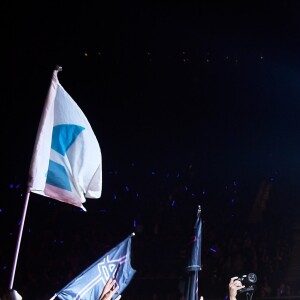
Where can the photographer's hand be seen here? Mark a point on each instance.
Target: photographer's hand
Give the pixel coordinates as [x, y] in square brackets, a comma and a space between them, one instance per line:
[109, 290]
[234, 286]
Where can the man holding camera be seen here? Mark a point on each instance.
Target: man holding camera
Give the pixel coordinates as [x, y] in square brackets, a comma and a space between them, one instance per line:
[242, 285]
[234, 286]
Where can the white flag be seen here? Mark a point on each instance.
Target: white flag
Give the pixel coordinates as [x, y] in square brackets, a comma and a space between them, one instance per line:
[66, 164]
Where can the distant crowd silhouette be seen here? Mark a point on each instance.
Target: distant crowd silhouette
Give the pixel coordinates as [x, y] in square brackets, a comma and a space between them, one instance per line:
[60, 241]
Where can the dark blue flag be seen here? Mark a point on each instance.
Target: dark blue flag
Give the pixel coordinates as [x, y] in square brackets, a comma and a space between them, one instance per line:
[90, 283]
[194, 262]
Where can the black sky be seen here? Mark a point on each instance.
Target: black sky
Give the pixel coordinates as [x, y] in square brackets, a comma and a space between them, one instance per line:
[209, 83]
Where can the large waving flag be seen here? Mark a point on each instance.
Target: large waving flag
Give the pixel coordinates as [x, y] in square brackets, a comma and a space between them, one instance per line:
[194, 262]
[66, 164]
[90, 283]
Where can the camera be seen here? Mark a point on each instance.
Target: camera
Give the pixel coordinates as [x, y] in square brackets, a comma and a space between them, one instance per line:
[248, 281]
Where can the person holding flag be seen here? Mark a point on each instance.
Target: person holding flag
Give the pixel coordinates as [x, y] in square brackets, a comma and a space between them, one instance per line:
[11, 294]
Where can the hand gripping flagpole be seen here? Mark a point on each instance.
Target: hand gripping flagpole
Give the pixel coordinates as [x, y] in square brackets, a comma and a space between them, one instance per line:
[58, 68]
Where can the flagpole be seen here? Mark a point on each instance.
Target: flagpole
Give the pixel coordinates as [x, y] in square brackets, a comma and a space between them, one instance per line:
[19, 239]
[58, 68]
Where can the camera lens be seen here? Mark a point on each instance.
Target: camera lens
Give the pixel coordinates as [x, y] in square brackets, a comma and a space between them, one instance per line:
[252, 277]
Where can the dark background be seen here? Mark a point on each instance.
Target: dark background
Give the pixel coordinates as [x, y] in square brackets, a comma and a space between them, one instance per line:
[205, 89]
[203, 82]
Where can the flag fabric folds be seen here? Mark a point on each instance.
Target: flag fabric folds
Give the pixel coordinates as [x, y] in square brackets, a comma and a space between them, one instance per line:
[194, 263]
[90, 283]
[66, 164]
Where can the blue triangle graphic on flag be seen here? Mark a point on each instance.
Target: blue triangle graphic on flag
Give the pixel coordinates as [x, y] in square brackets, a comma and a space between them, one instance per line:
[63, 136]
[57, 176]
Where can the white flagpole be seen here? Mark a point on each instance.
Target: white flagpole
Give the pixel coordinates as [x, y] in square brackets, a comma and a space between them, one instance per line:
[19, 239]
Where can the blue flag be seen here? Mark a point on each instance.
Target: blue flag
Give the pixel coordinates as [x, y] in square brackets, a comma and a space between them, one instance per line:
[66, 164]
[194, 262]
[90, 283]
